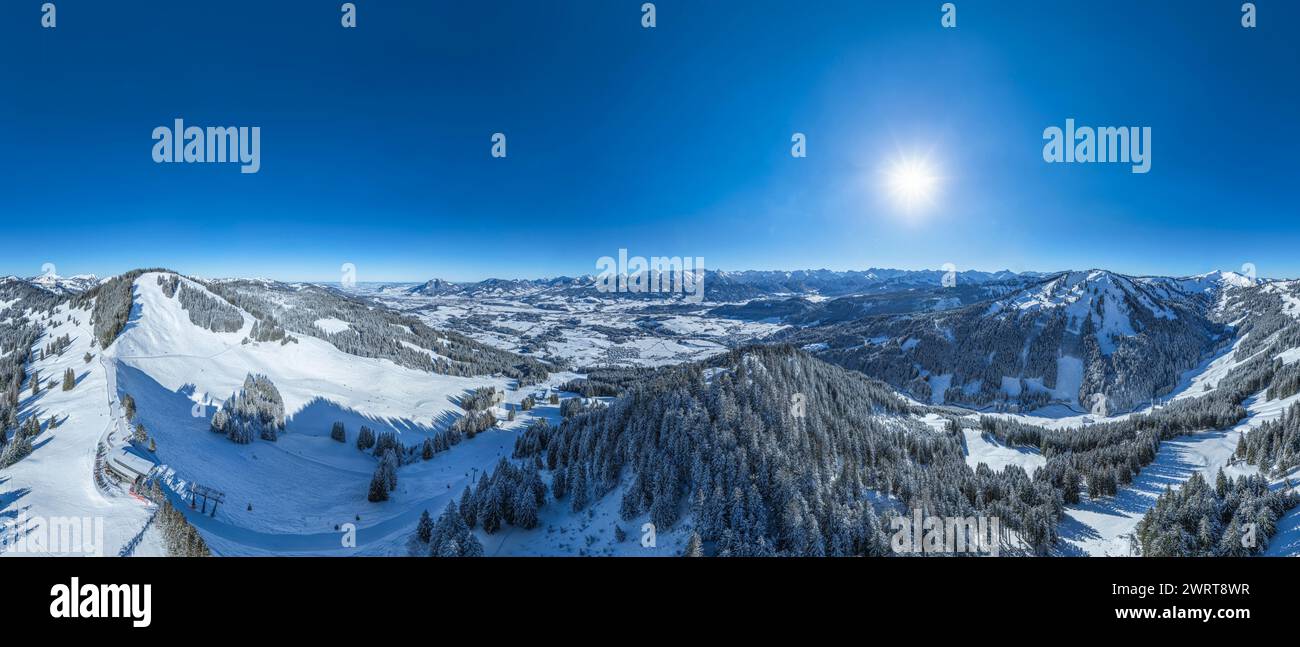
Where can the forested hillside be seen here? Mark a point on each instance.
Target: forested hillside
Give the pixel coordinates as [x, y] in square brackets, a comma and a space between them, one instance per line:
[720, 446]
[1077, 338]
[369, 331]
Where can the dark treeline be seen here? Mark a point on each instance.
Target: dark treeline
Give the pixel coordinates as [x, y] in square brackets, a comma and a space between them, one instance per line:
[110, 304]
[534, 440]
[606, 381]
[19, 334]
[180, 537]
[480, 398]
[1234, 518]
[472, 424]
[372, 331]
[509, 494]
[255, 410]
[761, 477]
[210, 313]
[1286, 381]
[1275, 445]
[450, 536]
[168, 283]
[574, 406]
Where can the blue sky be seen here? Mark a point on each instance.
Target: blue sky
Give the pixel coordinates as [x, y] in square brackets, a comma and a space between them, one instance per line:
[665, 141]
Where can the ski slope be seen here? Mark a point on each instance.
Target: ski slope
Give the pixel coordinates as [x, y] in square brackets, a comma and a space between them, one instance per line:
[289, 496]
[56, 480]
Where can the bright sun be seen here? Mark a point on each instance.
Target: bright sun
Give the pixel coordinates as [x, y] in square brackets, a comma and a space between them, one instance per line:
[911, 183]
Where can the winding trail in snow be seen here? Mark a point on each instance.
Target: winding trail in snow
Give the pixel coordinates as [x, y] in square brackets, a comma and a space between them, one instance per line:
[1103, 527]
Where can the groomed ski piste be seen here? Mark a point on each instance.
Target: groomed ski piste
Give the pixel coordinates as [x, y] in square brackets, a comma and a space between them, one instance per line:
[300, 495]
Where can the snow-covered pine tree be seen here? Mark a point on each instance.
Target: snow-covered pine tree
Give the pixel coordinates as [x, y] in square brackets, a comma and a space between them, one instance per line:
[365, 438]
[424, 529]
[694, 546]
[378, 487]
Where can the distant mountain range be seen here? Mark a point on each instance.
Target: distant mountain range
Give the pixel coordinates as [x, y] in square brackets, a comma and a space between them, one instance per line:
[729, 286]
[1074, 337]
[58, 284]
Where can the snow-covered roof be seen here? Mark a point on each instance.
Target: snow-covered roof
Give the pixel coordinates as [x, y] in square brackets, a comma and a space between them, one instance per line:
[124, 458]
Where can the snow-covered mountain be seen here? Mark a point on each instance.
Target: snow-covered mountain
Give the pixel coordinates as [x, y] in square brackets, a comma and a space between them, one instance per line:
[244, 387]
[1077, 338]
[499, 287]
[181, 348]
[733, 286]
[1212, 283]
[65, 284]
[58, 284]
[436, 288]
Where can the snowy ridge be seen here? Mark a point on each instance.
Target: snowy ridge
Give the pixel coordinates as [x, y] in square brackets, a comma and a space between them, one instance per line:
[303, 485]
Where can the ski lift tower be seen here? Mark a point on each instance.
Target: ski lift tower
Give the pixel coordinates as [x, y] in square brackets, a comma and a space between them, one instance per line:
[205, 494]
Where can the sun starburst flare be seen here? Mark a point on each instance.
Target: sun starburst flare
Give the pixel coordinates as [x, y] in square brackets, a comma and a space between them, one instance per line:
[911, 183]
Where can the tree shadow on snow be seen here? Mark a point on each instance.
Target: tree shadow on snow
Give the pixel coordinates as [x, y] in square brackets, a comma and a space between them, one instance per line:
[8, 510]
[1138, 497]
[317, 418]
[158, 404]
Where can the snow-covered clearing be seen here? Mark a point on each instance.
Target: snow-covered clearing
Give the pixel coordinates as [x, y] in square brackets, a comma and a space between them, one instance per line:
[998, 456]
[332, 325]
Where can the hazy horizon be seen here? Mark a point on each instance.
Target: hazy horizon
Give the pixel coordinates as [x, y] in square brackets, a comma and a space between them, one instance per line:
[361, 280]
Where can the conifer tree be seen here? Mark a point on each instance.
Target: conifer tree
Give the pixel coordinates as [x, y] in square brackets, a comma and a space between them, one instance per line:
[694, 547]
[424, 529]
[378, 488]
